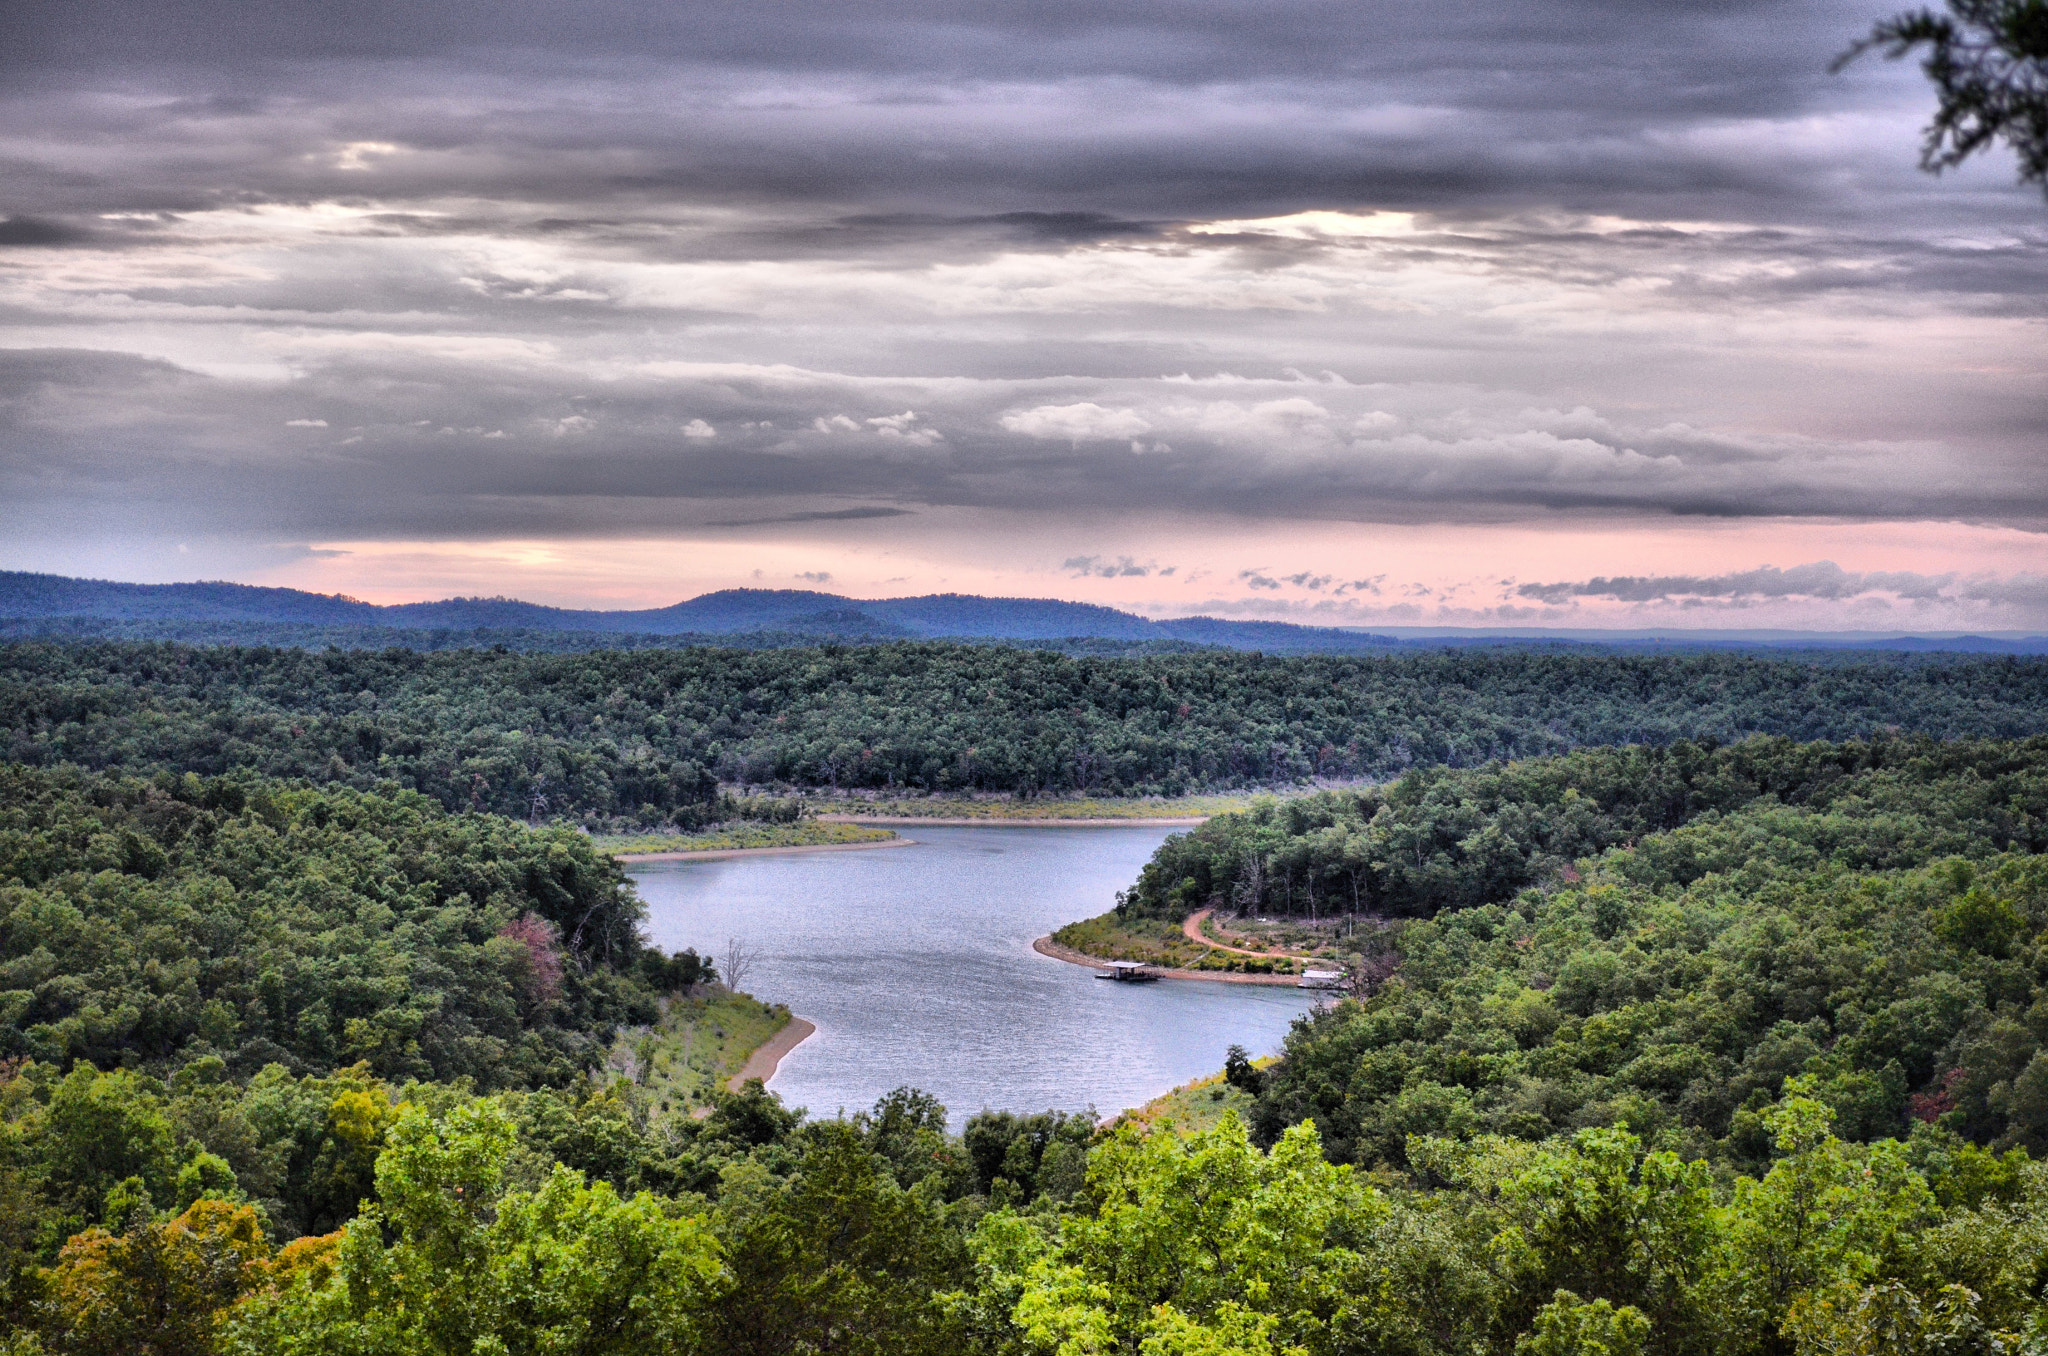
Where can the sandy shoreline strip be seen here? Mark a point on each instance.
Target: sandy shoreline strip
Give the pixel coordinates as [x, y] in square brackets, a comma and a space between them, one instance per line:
[991, 822]
[762, 1063]
[1046, 946]
[713, 854]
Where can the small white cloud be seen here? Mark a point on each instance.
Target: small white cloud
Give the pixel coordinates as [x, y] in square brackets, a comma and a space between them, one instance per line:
[1084, 420]
[356, 155]
[1104, 568]
[903, 426]
[1313, 224]
[305, 423]
[697, 428]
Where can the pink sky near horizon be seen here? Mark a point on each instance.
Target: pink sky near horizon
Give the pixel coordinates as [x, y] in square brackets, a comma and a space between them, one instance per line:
[1425, 574]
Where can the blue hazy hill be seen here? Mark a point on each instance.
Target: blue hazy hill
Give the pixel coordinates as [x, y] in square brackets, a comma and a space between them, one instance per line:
[51, 604]
[46, 604]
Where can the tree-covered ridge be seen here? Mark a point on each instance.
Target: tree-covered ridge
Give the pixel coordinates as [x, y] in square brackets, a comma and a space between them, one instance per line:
[1454, 838]
[1909, 997]
[152, 922]
[1868, 916]
[647, 735]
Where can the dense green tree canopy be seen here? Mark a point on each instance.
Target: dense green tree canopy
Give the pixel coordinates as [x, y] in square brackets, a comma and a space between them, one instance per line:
[649, 735]
[1697, 1047]
[153, 922]
[1441, 838]
[1660, 938]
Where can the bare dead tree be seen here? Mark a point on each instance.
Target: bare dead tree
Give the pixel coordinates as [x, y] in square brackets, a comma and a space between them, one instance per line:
[738, 964]
[1366, 977]
[1250, 891]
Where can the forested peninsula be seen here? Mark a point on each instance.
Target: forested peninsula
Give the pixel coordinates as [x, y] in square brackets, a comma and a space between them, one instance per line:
[1659, 937]
[1699, 1010]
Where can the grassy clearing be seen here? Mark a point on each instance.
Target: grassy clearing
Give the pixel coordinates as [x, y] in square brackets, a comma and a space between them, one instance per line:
[746, 834]
[1157, 942]
[1194, 1107]
[698, 1044]
[1012, 807]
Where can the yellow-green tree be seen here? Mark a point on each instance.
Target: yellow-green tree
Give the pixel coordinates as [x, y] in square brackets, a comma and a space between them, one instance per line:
[155, 1289]
[448, 1261]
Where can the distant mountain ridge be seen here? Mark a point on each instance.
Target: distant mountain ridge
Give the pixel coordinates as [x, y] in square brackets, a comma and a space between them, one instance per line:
[28, 597]
[215, 611]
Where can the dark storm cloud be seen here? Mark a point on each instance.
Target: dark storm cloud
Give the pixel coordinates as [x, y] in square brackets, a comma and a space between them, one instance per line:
[17, 231]
[1164, 39]
[1050, 117]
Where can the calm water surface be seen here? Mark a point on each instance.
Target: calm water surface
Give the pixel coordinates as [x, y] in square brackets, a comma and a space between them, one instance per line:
[916, 964]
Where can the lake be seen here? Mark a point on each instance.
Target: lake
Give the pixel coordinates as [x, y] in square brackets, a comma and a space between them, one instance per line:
[916, 964]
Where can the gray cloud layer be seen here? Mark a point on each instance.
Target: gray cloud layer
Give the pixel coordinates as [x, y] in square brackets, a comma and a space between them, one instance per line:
[317, 270]
[1063, 110]
[1822, 580]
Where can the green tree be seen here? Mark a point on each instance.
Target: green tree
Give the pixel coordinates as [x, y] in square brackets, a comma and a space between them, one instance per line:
[1826, 1212]
[1988, 63]
[153, 1288]
[840, 1260]
[1568, 1326]
[1194, 1245]
[446, 1261]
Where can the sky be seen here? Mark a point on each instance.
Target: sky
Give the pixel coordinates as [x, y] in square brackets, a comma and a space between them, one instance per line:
[1575, 313]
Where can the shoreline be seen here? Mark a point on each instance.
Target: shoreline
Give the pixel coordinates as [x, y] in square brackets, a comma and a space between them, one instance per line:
[993, 822]
[1052, 950]
[714, 854]
[768, 1056]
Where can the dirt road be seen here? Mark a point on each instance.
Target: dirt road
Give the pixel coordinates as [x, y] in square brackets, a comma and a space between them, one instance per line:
[1192, 930]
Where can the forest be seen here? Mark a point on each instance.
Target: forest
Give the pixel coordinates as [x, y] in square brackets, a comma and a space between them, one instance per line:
[1867, 918]
[1688, 1044]
[648, 737]
[1451, 838]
